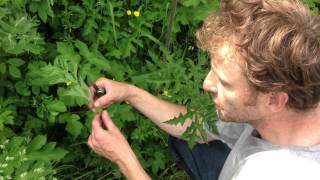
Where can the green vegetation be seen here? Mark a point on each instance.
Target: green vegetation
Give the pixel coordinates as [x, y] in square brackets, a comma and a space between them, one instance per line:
[51, 51]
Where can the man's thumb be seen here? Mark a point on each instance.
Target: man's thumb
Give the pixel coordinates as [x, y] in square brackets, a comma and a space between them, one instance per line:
[107, 121]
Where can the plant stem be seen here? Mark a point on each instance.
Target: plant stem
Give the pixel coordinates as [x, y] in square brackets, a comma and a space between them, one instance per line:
[172, 15]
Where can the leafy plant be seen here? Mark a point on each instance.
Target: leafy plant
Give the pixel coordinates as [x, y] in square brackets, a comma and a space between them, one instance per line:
[51, 51]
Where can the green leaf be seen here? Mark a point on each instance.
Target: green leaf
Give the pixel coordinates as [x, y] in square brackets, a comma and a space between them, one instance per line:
[56, 106]
[3, 68]
[37, 143]
[66, 117]
[158, 162]
[189, 3]
[74, 127]
[92, 58]
[180, 119]
[78, 94]
[14, 71]
[44, 155]
[22, 88]
[16, 62]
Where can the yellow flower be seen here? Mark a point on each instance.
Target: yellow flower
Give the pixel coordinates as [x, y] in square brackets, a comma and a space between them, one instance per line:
[129, 12]
[136, 13]
[166, 93]
[68, 83]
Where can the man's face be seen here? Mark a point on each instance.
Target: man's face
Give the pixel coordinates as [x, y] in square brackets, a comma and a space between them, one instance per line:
[234, 99]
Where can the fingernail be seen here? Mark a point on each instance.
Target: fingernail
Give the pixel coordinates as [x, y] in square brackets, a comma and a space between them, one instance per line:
[97, 104]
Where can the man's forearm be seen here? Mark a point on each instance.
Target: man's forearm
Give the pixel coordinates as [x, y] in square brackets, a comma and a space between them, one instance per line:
[158, 110]
[132, 169]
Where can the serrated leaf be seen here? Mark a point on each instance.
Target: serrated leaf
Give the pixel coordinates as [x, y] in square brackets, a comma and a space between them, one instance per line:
[37, 143]
[92, 58]
[56, 106]
[67, 51]
[180, 120]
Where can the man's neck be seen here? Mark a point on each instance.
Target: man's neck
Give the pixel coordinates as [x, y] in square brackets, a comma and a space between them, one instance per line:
[291, 128]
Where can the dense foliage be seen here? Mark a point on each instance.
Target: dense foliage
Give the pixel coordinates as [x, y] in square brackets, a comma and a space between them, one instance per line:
[51, 51]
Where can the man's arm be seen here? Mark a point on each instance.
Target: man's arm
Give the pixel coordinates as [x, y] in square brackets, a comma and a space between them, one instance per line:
[152, 107]
[158, 110]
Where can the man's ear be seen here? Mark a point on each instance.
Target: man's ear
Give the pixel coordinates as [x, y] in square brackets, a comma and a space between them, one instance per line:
[277, 101]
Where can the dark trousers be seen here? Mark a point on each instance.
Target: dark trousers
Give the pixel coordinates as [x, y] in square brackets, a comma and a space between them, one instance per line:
[203, 161]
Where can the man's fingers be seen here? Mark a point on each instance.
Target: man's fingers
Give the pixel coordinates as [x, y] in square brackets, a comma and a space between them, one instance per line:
[91, 98]
[103, 101]
[96, 126]
[90, 142]
[107, 121]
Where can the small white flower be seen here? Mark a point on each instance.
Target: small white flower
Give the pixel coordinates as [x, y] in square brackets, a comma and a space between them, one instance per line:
[38, 170]
[23, 175]
[1, 146]
[3, 165]
[8, 158]
[8, 177]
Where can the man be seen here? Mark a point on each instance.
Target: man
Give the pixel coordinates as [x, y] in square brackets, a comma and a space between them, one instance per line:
[265, 83]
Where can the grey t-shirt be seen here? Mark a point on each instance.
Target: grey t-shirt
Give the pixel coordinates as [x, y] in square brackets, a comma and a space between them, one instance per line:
[252, 158]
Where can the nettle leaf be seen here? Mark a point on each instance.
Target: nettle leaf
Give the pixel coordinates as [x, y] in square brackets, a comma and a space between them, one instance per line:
[67, 52]
[43, 8]
[76, 94]
[56, 106]
[47, 75]
[14, 71]
[78, 15]
[94, 59]
[37, 143]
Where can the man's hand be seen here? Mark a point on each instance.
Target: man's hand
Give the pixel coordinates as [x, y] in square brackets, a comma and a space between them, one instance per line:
[111, 144]
[115, 92]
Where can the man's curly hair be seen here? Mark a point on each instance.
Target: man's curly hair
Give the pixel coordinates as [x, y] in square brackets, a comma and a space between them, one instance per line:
[279, 42]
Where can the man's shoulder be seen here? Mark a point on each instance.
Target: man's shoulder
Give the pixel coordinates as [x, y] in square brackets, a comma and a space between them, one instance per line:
[278, 164]
[230, 132]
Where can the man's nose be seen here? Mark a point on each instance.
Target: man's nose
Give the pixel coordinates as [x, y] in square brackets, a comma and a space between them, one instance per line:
[209, 84]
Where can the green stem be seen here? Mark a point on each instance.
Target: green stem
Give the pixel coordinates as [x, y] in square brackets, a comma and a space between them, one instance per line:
[172, 15]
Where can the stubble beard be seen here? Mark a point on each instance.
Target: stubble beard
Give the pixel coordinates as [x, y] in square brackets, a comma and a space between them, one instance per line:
[231, 116]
